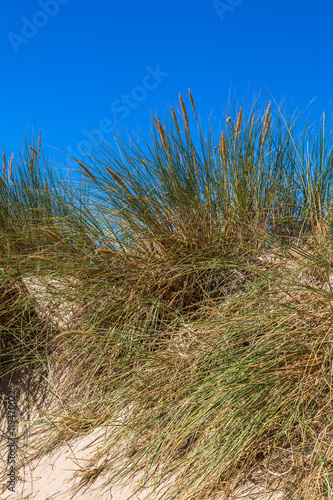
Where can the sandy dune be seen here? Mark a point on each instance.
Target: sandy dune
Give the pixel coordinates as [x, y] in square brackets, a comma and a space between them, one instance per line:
[57, 475]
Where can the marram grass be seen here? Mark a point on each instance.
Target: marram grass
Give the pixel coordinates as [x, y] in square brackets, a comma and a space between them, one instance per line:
[200, 267]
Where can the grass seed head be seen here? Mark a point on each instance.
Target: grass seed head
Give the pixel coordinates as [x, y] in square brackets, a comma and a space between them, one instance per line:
[162, 135]
[107, 251]
[4, 164]
[115, 177]
[239, 122]
[52, 234]
[266, 122]
[182, 104]
[252, 124]
[223, 149]
[192, 102]
[10, 167]
[34, 151]
[87, 171]
[174, 116]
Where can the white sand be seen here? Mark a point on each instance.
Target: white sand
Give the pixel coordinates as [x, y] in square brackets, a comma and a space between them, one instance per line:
[54, 478]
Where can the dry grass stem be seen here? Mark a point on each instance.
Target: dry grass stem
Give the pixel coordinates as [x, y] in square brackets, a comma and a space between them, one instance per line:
[40, 257]
[70, 334]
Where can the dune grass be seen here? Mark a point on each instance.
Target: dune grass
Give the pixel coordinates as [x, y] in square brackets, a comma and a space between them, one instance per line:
[197, 270]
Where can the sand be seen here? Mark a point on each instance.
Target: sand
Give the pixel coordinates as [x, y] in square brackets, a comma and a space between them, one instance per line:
[56, 476]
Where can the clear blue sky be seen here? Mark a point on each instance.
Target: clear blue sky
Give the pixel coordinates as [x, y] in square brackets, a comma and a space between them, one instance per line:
[71, 65]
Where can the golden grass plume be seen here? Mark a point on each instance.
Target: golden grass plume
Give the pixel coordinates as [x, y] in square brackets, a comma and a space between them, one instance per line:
[223, 149]
[192, 102]
[115, 177]
[239, 122]
[162, 134]
[87, 171]
[35, 152]
[182, 104]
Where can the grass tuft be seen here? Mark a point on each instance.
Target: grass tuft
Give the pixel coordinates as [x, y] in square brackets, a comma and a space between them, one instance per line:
[194, 274]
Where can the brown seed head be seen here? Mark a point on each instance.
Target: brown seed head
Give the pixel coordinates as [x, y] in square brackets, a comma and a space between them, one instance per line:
[239, 122]
[52, 234]
[267, 115]
[182, 104]
[251, 128]
[37, 154]
[192, 102]
[266, 128]
[10, 166]
[175, 120]
[4, 165]
[106, 251]
[223, 149]
[162, 135]
[87, 171]
[39, 141]
[252, 124]
[116, 177]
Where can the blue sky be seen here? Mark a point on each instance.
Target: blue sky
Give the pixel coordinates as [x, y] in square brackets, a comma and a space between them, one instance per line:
[71, 65]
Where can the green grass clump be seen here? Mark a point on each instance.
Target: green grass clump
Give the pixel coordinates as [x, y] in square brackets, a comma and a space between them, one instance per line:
[196, 270]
